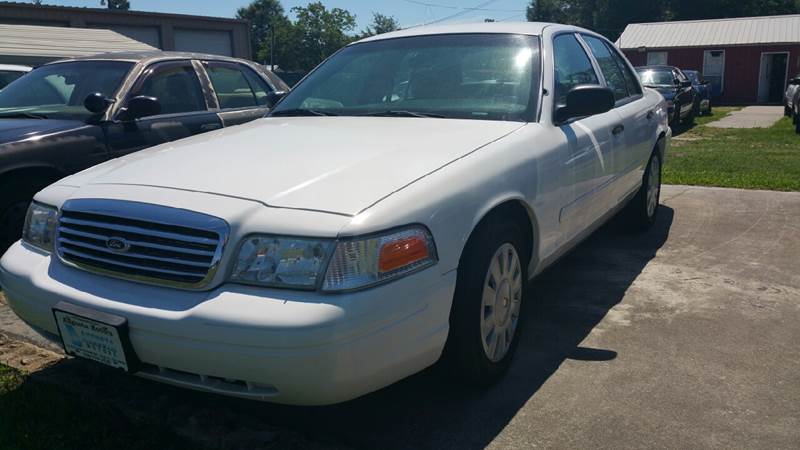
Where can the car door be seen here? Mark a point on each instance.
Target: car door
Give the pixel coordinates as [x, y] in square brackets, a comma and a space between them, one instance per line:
[637, 121]
[589, 141]
[184, 109]
[241, 94]
[685, 96]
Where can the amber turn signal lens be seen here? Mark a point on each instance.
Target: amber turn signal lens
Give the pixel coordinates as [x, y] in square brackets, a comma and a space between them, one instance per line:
[402, 252]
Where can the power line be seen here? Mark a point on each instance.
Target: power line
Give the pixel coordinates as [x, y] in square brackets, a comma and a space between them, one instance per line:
[462, 12]
[476, 8]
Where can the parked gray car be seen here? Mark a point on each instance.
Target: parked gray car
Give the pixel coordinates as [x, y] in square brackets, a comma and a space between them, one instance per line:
[790, 107]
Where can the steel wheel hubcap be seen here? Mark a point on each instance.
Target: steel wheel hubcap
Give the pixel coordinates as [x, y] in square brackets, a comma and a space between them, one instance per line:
[502, 295]
[653, 187]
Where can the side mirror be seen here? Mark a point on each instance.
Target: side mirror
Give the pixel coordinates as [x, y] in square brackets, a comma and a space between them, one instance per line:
[274, 97]
[687, 83]
[142, 106]
[96, 102]
[585, 100]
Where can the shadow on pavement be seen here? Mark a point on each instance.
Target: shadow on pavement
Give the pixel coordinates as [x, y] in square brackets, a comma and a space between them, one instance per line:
[426, 410]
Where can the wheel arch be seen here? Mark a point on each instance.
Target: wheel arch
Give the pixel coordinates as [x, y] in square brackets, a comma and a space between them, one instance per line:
[23, 174]
[516, 208]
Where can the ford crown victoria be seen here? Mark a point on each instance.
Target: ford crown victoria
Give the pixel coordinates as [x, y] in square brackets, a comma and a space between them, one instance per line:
[387, 214]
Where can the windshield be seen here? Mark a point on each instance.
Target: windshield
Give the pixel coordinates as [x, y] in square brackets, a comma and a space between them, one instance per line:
[58, 90]
[464, 76]
[656, 77]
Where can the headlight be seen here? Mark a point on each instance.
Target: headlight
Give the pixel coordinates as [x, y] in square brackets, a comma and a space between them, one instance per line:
[367, 261]
[40, 226]
[281, 261]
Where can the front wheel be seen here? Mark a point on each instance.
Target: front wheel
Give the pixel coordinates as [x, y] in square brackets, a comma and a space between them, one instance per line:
[643, 209]
[485, 316]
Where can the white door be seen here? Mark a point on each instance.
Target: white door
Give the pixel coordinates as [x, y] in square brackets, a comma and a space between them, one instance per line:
[714, 70]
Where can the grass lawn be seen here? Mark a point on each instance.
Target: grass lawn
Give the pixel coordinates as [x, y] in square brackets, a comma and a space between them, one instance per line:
[756, 158]
[37, 415]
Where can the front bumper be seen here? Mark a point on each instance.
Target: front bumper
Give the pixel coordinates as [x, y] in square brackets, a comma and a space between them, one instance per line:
[276, 345]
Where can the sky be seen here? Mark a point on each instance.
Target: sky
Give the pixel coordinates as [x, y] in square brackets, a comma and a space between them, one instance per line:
[407, 12]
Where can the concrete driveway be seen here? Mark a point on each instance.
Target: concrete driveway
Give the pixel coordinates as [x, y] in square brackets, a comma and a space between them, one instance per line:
[687, 336]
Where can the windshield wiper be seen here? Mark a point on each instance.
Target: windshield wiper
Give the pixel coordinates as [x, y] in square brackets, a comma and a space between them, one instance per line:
[301, 112]
[402, 113]
[22, 115]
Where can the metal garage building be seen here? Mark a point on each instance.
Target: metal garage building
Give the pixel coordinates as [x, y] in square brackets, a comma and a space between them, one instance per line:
[33, 45]
[165, 31]
[747, 60]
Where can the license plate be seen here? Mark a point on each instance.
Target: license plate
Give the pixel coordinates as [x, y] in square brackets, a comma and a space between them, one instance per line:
[94, 335]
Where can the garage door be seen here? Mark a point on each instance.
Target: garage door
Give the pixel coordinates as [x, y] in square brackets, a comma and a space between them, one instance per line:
[204, 41]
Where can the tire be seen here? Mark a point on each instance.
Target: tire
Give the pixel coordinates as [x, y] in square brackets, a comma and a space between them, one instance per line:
[484, 334]
[787, 111]
[708, 111]
[642, 211]
[797, 123]
[14, 207]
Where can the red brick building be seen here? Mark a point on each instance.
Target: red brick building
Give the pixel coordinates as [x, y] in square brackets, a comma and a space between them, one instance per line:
[747, 60]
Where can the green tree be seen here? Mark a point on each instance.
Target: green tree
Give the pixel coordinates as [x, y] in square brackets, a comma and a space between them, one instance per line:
[117, 4]
[380, 24]
[319, 33]
[263, 16]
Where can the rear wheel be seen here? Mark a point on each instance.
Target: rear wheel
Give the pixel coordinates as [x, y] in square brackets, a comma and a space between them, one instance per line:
[485, 317]
[643, 209]
[787, 111]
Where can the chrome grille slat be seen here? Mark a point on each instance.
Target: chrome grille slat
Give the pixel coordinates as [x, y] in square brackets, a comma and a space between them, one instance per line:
[137, 230]
[190, 251]
[141, 242]
[124, 264]
[133, 254]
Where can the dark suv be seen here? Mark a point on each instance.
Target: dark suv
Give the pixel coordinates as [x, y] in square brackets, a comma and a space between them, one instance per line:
[68, 115]
[676, 88]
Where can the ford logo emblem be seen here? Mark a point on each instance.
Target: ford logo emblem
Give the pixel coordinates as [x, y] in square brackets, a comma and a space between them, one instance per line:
[118, 244]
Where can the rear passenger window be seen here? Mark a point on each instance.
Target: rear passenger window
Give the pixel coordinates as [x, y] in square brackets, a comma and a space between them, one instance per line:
[260, 87]
[572, 66]
[176, 87]
[231, 86]
[611, 70]
[630, 79]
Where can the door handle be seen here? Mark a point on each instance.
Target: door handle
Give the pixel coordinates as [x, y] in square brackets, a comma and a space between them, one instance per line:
[650, 114]
[618, 129]
[210, 126]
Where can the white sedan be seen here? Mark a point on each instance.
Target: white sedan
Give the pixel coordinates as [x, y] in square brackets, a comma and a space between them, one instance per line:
[387, 214]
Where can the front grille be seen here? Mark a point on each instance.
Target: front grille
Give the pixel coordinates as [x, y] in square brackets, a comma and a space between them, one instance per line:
[142, 242]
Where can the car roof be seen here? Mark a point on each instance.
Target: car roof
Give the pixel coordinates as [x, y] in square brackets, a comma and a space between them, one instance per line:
[15, 68]
[147, 56]
[529, 28]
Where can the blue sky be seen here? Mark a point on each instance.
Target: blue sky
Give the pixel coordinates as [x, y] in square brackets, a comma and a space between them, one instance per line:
[407, 12]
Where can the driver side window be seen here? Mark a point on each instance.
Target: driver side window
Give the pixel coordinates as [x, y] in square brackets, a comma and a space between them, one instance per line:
[176, 87]
[572, 66]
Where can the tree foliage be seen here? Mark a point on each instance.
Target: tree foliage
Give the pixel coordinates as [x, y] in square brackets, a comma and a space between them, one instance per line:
[117, 4]
[610, 17]
[319, 33]
[315, 34]
[380, 24]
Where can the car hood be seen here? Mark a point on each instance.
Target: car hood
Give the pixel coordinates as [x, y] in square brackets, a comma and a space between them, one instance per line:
[13, 130]
[340, 165]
